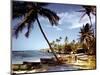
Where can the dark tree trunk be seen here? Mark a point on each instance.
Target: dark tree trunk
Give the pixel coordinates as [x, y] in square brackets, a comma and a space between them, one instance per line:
[47, 40]
[90, 20]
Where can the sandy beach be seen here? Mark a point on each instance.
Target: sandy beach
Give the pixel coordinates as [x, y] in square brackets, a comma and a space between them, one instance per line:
[69, 63]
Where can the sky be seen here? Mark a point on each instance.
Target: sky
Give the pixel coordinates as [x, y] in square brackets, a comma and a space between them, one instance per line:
[69, 25]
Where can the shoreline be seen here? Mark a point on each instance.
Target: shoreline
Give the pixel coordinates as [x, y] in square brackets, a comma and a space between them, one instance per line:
[69, 63]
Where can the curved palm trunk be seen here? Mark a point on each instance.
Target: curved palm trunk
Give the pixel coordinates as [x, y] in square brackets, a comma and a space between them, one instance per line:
[47, 39]
[95, 26]
[90, 20]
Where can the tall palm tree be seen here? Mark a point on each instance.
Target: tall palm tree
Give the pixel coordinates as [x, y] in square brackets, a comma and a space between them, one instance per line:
[52, 44]
[66, 40]
[88, 10]
[31, 12]
[60, 38]
[86, 35]
[57, 40]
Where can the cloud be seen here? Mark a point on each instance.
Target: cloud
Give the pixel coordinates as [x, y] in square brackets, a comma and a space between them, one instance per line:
[71, 20]
[75, 26]
[65, 17]
[57, 28]
[68, 20]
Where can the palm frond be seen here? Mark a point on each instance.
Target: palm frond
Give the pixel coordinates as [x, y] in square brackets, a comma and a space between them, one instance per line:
[31, 11]
[29, 19]
[82, 16]
[19, 29]
[29, 26]
[87, 10]
[53, 18]
[18, 8]
[86, 33]
[81, 10]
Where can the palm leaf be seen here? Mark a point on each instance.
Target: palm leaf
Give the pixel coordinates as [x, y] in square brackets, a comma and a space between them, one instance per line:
[82, 16]
[53, 18]
[29, 18]
[31, 11]
[81, 11]
[19, 8]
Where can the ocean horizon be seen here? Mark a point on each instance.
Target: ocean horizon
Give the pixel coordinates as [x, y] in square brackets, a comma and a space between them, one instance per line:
[18, 57]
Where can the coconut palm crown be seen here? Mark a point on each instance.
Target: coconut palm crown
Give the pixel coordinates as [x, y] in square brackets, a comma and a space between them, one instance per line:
[88, 10]
[86, 34]
[31, 11]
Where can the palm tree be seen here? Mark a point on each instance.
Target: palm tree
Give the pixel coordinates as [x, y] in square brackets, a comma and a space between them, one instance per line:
[88, 10]
[57, 40]
[60, 38]
[86, 35]
[31, 12]
[66, 40]
[52, 44]
[58, 43]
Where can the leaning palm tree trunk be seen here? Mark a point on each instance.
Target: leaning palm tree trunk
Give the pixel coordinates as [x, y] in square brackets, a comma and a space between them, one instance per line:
[47, 40]
[90, 20]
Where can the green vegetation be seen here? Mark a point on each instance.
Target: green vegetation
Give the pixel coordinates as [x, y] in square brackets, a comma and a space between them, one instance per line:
[85, 44]
[87, 41]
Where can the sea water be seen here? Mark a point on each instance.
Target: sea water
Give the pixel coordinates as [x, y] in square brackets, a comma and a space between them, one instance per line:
[18, 57]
